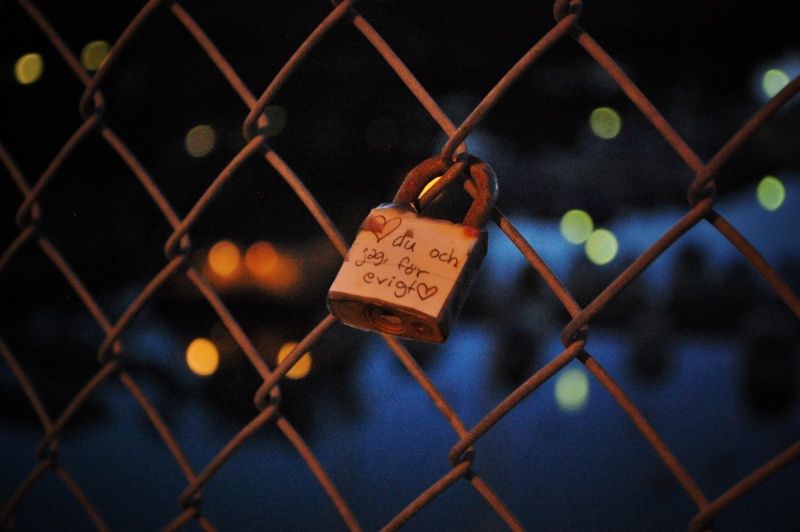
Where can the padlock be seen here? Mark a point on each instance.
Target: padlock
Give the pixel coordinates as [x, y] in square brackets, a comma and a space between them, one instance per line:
[407, 274]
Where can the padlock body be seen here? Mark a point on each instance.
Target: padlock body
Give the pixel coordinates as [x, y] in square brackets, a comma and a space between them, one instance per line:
[407, 275]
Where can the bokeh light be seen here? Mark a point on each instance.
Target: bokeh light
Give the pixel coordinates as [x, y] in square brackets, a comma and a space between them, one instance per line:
[572, 390]
[93, 55]
[200, 140]
[771, 193]
[773, 81]
[605, 122]
[28, 68]
[202, 357]
[261, 259]
[427, 187]
[285, 278]
[576, 226]
[301, 367]
[601, 246]
[276, 271]
[224, 258]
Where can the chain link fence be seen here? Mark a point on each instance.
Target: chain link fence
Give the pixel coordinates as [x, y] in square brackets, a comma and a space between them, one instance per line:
[110, 194]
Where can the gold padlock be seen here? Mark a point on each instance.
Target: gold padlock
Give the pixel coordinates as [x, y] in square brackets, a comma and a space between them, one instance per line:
[407, 274]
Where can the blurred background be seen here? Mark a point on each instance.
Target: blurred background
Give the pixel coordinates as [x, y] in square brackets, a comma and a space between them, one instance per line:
[699, 342]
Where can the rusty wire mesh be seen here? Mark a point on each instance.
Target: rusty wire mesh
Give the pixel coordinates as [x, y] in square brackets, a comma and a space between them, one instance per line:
[36, 266]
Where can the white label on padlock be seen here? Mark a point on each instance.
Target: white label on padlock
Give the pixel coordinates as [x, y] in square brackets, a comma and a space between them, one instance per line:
[406, 260]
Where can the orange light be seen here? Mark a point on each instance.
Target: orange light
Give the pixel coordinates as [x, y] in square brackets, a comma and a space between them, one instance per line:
[202, 357]
[224, 258]
[271, 269]
[261, 259]
[427, 187]
[301, 367]
[286, 276]
[200, 140]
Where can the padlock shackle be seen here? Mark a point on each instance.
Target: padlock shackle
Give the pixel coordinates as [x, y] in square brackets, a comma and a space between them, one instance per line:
[478, 171]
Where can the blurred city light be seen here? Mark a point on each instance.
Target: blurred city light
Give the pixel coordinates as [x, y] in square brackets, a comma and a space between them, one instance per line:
[576, 226]
[771, 193]
[261, 259]
[93, 55]
[202, 357]
[277, 272]
[605, 122]
[200, 140]
[601, 246]
[301, 367]
[773, 81]
[774, 74]
[427, 187]
[572, 390]
[224, 258]
[28, 68]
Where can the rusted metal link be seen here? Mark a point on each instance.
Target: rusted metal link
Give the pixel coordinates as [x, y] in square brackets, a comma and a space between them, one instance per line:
[249, 128]
[637, 267]
[457, 453]
[405, 75]
[77, 402]
[447, 171]
[776, 282]
[42, 467]
[110, 343]
[736, 492]
[262, 398]
[508, 80]
[428, 495]
[189, 496]
[173, 247]
[161, 428]
[704, 178]
[121, 43]
[467, 167]
[319, 472]
[24, 216]
[647, 430]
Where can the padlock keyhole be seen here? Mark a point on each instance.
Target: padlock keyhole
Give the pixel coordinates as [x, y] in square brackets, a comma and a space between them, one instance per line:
[385, 320]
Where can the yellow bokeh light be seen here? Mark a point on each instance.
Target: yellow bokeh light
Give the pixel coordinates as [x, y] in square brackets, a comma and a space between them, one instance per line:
[224, 258]
[202, 357]
[301, 367]
[605, 122]
[28, 68]
[601, 246]
[576, 226]
[773, 81]
[572, 390]
[93, 55]
[771, 193]
[261, 259]
[427, 187]
[200, 140]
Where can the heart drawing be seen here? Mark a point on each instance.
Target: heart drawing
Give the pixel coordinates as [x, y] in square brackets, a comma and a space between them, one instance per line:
[426, 291]
[381, 227]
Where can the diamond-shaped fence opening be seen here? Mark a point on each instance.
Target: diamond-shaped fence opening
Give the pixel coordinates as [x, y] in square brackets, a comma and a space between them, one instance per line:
[180, 184]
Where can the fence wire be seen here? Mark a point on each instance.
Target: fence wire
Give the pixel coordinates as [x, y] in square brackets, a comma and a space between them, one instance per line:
[114, 365]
